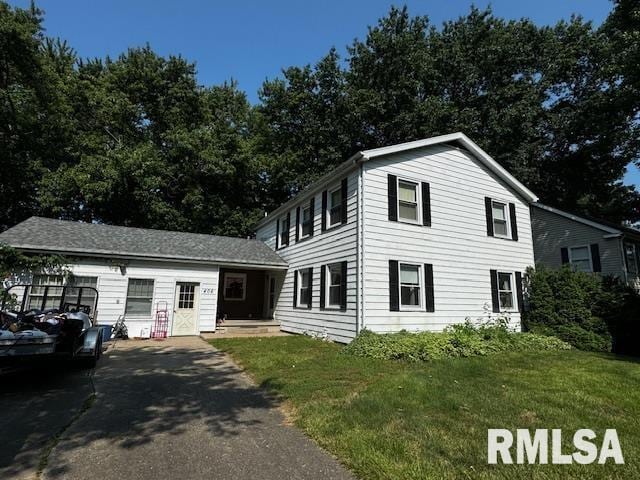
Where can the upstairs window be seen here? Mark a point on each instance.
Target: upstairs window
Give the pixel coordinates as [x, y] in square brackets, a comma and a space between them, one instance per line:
[630, 257]
[407, 201]
[500, 223]
[306, 221]
[284, 231]
[580, 258]
[335, 207]
[409, 286]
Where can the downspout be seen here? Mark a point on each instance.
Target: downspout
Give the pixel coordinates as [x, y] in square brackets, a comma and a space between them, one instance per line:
[360, 254]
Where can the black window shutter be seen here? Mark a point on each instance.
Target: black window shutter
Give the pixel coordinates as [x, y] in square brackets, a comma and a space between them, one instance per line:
[310, 286]
[312, 208]
[295, 288]
[343, 213]
[392, 196]
[519, 291]
[595, 257]
[426, 204]
[394, 286]
[514, 223]
[288, 232]
[343, 287]
[489, 214]
[323, 285]
[428, 288]
[495, 301]
[298, 224]
[564, 255]
[277, 234]
[324, 210]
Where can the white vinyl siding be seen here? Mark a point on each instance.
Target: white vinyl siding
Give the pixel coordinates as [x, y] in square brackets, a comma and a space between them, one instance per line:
[456, 244]
[336, 244]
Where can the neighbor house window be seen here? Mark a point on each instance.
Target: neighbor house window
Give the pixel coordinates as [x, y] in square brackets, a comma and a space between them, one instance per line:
[630, 256]
[409, 286]
[335, 207]
[304, 287]
[500, 224]
[505, 291]
[580, 258]
[284, 231]
[306, 221]
[334, 281]
[54, 292]
[407, 201]
[235, 286]
[139, 297]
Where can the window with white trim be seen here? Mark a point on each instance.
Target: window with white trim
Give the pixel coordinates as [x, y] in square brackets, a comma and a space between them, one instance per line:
[500, 219]
[87, 295]
[139, 297]
[631, 258]
[408, 201]
[334, 285]
[410, 286]
[304, 291]
[505, 291]
[335, 207]
[580, 258]
[284, 231]
[306, 220]
[235, 286]
[54, 293]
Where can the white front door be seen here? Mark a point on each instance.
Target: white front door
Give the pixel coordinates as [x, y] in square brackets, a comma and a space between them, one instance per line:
[185, 310]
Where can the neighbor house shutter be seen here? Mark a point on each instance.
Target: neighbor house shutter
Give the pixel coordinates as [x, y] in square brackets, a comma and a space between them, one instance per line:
[312, 208]
[277, 234]
[426, 204]
[564, 255]
[343, 287]
[495, 301]
[323, 286]
[428, 288]
[295, 288]
[489, 214]
[324, 210]
[514, 223]
[297, 224]
[344, 192]
[519, 291]
[394, 286]
[595, 257]
[310, 286]
[392, 197]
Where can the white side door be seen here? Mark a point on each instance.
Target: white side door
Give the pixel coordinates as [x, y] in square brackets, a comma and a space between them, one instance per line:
[185, 309]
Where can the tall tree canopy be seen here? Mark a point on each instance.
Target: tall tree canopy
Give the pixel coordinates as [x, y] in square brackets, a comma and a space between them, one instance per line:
[135, 140]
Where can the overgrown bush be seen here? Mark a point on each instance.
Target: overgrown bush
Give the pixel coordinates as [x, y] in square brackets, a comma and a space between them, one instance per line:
[463, 340]
[588, 311]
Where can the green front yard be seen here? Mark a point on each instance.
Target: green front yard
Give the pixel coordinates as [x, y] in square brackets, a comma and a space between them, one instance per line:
[392, 420]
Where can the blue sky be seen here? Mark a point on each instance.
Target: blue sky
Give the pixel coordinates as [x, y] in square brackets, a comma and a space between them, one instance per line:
[250, 40]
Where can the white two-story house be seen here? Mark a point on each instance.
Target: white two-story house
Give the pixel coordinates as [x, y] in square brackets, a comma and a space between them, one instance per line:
[415, 236]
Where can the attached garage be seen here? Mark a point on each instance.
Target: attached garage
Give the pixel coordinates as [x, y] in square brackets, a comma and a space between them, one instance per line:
[142, 274]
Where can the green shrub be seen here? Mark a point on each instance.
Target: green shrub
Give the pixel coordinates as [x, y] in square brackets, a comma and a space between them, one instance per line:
[577, 336]
[463, 340]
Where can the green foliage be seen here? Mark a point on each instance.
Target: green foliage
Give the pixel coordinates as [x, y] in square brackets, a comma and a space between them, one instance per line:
[588, 311]
[463, 340]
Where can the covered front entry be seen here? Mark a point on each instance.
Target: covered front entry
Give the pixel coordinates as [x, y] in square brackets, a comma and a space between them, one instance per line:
[185, 309]
[247, 294]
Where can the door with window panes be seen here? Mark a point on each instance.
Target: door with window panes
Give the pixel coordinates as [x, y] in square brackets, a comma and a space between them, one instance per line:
[185, 313]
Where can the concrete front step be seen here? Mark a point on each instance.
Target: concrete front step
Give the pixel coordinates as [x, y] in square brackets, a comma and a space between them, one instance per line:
[249, 326]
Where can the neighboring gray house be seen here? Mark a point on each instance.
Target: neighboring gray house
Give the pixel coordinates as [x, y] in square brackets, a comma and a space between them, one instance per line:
[415, 236]
[587, 244]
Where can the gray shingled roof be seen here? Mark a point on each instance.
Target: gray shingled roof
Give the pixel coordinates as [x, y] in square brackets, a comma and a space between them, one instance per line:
[46, 234]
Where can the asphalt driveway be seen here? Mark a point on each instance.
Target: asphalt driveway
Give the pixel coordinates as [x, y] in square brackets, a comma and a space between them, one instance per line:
[179, 410]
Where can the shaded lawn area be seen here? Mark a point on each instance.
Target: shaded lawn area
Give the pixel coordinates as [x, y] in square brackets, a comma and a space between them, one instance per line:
[391, 420]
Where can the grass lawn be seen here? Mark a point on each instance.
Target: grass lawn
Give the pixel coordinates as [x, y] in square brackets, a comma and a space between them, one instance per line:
[391, 420]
